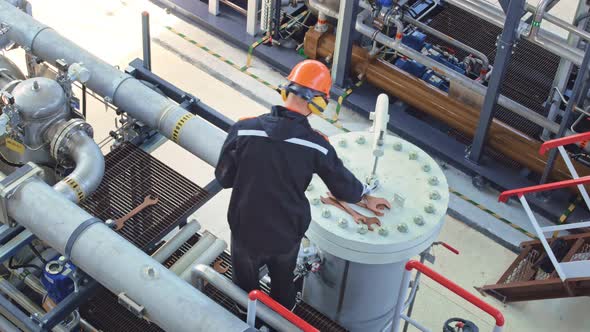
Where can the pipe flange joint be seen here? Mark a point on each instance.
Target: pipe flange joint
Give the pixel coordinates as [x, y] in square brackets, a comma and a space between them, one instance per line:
[63, 134]
[11, 183]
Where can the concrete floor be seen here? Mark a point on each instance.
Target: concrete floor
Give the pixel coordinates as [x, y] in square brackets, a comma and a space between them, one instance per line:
[111, 30]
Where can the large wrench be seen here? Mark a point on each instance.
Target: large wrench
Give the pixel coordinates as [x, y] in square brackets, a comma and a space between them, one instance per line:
[149, 200]
[357, 217]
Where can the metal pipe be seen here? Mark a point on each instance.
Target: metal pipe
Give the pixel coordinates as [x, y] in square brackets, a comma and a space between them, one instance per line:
[234, 7]
[206, 258]
[25, 302]
[89, 170]
[556, 20]
[545, 39]
[537, 18]
[127, 93]
[13, 311]
[197, 250]
[224, 285]
[7, 326]
[117, 264]
[176, 241]
[449, 73]
[452, 41]
[147, 41]
[320, 7]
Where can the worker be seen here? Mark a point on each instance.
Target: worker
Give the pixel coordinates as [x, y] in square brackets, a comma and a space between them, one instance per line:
[269, 161]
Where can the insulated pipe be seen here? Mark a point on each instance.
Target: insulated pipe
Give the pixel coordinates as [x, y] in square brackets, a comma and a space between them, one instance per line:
[117, 264]
[190, 256]
[452, 41]
[25, 302]
[206, 273]
[89, 170]
[140, 102]
[206, 258]
[449, 73]
[176, 241]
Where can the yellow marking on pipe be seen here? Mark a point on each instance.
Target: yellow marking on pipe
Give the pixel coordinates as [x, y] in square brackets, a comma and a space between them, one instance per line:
[75, 187]
[178, 127]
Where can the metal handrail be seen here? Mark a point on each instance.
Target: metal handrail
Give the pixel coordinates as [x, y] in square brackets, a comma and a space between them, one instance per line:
[542, 187]
[563, 141]
[448, 284]
[257, 295]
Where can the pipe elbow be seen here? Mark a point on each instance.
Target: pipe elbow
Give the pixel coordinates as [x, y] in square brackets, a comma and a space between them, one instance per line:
[89, 170]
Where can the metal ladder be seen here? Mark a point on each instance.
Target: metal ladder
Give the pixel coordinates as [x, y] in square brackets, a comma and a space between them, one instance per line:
[565, 270]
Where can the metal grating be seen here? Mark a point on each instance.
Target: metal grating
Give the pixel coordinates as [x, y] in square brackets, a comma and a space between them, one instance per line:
[106, 314]
[531, 71]
[525, 269]
[131, 174]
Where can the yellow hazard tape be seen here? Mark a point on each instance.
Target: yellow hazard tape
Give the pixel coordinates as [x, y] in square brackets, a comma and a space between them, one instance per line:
[75, 187]
[178, 127]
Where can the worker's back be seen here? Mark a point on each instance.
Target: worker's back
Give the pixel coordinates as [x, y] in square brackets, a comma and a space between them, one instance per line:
[269, 161]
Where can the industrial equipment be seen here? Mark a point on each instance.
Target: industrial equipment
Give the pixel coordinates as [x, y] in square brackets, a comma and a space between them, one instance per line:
[104, 242]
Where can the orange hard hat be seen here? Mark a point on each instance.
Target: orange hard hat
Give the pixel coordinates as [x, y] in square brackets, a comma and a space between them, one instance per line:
[313, 75]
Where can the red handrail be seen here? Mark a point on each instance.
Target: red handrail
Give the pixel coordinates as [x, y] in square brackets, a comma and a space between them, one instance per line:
[542, 187]
[274, 305]
[453, 287]
[563, 141]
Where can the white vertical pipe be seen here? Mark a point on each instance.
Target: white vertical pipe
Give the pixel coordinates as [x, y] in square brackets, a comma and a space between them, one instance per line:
[251, 316]
[214, 7]
[403, 293]
[252, 18]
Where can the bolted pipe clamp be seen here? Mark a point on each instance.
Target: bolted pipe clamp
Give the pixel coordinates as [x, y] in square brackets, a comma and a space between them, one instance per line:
[11, 183]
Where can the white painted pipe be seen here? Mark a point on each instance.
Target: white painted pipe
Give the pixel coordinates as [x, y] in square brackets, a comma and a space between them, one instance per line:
[206, 258]
[156, 111]
[185, 233]
[169, 302]
[190, 256]
[7, 326]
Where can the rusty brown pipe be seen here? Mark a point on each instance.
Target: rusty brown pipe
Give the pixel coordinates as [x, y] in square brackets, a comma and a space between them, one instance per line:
[438, 104]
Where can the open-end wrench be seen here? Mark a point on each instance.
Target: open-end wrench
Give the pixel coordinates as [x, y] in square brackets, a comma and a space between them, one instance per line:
[357, 217]
[149, 200]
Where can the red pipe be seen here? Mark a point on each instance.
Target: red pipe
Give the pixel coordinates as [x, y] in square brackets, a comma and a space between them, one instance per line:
[277, 307]
[563, 141]
[453, 287]
[542, 187]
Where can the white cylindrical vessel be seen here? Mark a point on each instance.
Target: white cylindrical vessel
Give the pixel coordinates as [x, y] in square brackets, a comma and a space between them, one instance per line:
[359, 280]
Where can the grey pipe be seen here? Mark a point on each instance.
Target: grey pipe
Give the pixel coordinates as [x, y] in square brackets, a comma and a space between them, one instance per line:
[190, 256]
[449, 73]
[7, 326]
[156, 111]
[538, 17]
[117, 264]
[178, 240]
[202, 273]
[557, 21]
[206, 258]
[323, 8]
[89, 170]
[452, 41]
[26, 303]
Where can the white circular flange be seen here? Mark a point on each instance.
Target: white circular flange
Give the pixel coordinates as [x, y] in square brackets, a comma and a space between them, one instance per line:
[408, 177]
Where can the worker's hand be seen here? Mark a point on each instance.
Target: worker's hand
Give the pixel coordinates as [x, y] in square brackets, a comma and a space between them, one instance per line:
[376, 203]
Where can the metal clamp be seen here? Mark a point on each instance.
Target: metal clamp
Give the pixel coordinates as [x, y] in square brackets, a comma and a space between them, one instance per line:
[11, 183]
[76, 234]
[132, 306]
